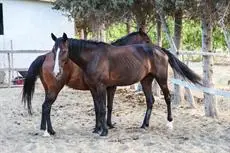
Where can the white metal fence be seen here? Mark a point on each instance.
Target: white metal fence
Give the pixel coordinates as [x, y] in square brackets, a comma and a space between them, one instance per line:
[10, 68]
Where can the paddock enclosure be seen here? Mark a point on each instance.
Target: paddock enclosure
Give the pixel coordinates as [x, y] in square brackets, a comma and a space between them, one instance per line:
[73, 118]
[197, 32]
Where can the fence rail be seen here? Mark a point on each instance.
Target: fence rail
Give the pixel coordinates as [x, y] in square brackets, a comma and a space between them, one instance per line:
[23, 51]
[10, 68]
[213, 91]
[13, 69]
[205, 53]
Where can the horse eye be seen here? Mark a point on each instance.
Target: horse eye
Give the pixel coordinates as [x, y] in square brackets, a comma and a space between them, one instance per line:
[63, 52]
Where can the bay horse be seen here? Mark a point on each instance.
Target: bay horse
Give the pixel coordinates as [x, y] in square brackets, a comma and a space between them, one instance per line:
[72, 76]
[106, 66]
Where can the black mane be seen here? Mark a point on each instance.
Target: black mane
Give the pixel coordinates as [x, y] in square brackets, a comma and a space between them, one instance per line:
[87, 43]
[79, 44]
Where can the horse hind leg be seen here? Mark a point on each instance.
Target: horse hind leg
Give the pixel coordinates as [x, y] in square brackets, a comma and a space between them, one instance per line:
[147, 89]
[164, 87]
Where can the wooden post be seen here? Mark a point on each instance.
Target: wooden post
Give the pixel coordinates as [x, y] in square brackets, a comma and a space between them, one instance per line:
[12, 57]
[82, 34]
[188, 93]
[155, 87]
[9, 69]
[177, 93]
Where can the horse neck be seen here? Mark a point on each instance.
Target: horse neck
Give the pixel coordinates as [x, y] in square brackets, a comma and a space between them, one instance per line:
[81, 54]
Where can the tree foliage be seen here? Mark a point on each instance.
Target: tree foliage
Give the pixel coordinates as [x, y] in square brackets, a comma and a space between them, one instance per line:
[94, 12]
[115, 12]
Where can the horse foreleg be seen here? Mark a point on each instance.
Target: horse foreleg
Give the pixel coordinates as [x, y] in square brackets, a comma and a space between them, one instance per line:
[99, 96]
[110, 97]
[147, 89]
[102, 111]
[46, 108]
[97, 128]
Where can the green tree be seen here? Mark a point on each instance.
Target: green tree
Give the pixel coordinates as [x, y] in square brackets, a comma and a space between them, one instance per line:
[97, 14]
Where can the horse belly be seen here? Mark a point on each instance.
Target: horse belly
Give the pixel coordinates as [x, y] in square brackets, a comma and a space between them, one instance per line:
[128, 67]
[127, 76]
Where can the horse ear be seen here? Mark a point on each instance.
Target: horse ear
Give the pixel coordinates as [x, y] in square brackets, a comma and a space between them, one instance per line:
[141, 31]
[64, 37]
[53, 37]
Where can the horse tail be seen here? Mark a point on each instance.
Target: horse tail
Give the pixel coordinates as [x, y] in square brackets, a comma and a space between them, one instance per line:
[182, 69]
[30, 79]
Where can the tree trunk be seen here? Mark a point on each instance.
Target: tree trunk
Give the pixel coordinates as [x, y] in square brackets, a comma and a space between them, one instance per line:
[95, 32]
[102, 32]
[141, 23]
[226, 36]
[178, 94]
[128, 27]
[75, 28]
[225, 29]
[190, 98]
[178, 28]
[166, 31]
[82, 36]
[206, 24]
[159, 33]
[156, 88]
[85, 33]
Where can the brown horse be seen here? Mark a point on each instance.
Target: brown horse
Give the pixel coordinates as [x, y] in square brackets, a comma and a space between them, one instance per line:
[106, 66]
[72, 76]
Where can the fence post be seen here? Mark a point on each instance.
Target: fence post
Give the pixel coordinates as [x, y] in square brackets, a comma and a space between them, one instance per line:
[9, 69]
[12, 57]
[188, 93]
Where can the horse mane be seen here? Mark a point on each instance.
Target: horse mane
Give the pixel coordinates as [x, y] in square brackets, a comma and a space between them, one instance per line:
[80, 44]
[123, 40]
[88, 43]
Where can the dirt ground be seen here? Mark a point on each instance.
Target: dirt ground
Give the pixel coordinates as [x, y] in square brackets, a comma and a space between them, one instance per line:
[73, 120]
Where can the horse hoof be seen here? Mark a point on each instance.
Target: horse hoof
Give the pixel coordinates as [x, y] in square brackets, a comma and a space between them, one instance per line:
[111, 126]
[104, 132]
[43, 128]
[144, 126]
[96, 130]
[170, 125]
[46, 134]
[51, 132]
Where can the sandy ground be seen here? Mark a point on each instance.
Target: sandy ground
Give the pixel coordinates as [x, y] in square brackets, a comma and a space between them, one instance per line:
[73, 119]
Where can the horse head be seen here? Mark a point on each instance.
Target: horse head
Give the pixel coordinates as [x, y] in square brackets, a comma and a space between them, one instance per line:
[60, 50]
